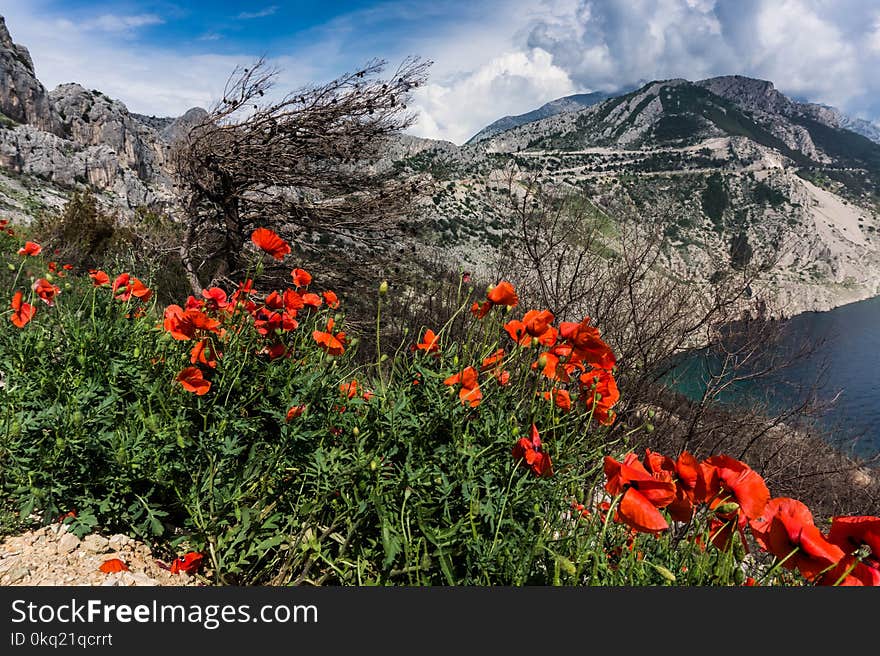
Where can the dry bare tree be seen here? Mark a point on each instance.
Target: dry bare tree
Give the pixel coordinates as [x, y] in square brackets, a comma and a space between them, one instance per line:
[299, 165]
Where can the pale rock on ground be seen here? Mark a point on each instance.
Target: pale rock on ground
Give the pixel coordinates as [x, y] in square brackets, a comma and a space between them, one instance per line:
[51, 556]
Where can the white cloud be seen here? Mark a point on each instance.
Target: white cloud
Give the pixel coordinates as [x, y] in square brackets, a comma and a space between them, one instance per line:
[116, 23]
[814, 49]
[262, 13]
[512, 83]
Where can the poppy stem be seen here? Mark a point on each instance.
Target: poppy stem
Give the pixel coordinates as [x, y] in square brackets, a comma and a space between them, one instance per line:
[600, 546]
[503, 507]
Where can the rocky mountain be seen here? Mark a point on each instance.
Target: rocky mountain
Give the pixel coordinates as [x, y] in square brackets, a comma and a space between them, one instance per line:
[727, 166]
[52, 142]
[559, 106]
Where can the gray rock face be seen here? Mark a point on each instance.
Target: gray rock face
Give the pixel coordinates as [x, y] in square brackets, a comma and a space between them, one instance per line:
[90, 118]
[74, 136]
[559, 106]
[749, 93]
[22, 98]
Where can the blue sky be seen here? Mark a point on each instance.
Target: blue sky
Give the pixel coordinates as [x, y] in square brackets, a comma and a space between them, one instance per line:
[491, 57]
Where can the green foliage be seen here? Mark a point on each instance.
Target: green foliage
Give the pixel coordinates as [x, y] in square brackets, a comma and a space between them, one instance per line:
[763, 193]
[714, 199]
[740, 251]
[298, 466]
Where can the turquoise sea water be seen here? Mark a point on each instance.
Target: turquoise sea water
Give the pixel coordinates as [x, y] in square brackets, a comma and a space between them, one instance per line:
[846, 365]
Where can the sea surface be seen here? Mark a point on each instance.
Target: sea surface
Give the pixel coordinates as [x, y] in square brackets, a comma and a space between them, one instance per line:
[845, 368]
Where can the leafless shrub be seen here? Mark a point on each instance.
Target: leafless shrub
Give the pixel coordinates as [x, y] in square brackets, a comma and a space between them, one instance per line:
[299, 165]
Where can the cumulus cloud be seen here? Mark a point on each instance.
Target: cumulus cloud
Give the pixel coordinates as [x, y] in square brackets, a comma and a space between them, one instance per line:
[456, 108]
[811, 49]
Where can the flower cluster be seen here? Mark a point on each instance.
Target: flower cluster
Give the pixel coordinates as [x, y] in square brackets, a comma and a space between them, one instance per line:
[737, 498]
[207, 320]
[572, 352]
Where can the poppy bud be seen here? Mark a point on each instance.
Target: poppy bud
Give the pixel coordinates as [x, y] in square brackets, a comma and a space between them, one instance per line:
[651, 414]
[67, 285]
[50, 277]
[568, 567]
[649, 428]
[355, 431]
[373, 465]
[665, 573]
[514, 431]
[727, 508]
[10, 266]
[534, 342]
[383, 357]
[383, 288]
[455, 360]
[542, 360]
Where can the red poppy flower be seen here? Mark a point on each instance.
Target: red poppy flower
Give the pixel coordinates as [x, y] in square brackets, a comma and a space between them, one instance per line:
[560, 397]
[52, 266]
[331, 299]
[113, 565]
[492, 360]
[312, 300]
[21, 312]
[70, 513]
[685, 472]
[537, 325]
[30, 248]
[332, 344]
[429, 343]
[99, 278]
[529, 452]
[728, 479]
[215, 298]
[470, 389]
[67, 267]
[481, 310]
[295, 411]
[587, 345]
[853, 535]
[293, 302]
[275, 351]
[193, 381]
[46, 291]
[185, 324]
[122, 280]
[599, 391]
[140, 290]
[271, 243]
[786, 530]
[204, 352]
[503, 294]
[643, 493]
[301, 277]
[349, 389]
[188, 563]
